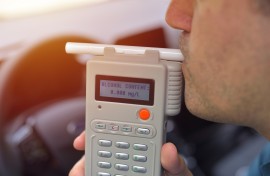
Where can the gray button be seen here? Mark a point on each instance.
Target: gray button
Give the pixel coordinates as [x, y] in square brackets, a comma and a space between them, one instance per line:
[123, 145]
[139, 169]
[140, 147]
[104, 165]
[113, 127]
[100, 125]
[126, 128]
[121, 167]
[139, 158]
[143, 131]
[104, 154]
[103, 174]
[105, 143]
[122, 156]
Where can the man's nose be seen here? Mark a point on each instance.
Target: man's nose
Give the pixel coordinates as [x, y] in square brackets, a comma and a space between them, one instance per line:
[179, 14]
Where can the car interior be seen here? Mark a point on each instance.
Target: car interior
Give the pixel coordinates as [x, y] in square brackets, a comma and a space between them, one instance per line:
[42, 105]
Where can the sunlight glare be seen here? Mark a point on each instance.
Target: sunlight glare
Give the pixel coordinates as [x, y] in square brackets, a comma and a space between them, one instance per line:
[19, 8]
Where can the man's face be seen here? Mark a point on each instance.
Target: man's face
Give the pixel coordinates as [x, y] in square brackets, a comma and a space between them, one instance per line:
[226, 44]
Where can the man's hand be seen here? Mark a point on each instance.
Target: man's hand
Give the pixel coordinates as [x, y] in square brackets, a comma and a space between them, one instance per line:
[173, 164]
[78, 168]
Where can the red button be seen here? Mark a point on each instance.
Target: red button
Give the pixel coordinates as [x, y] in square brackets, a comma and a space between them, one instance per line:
[144, 114]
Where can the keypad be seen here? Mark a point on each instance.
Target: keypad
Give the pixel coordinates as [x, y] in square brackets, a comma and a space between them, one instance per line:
[132, 157]
[123, 148]
[121, 128]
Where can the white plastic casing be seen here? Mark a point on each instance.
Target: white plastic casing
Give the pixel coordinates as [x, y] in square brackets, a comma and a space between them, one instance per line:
[118, 116]
[172, 58]
[98, 50]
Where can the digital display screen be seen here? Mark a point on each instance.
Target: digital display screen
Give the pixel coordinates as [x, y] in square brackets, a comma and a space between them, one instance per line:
[125, 90]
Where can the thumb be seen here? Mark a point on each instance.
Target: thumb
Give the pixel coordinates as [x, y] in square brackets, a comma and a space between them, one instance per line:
[78, 168]
[173, 164]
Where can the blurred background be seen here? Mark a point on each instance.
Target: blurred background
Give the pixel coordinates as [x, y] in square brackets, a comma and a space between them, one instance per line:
[42, 89]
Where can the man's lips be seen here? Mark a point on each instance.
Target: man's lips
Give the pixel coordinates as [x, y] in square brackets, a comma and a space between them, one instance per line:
[183, 44]
[184, 47]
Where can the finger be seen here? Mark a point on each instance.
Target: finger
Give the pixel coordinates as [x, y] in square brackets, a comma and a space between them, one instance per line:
[173, 164]
[78, 168]
[79, 142]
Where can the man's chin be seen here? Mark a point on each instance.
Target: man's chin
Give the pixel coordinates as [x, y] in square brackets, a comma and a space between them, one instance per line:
[199, 107]
[192, 103]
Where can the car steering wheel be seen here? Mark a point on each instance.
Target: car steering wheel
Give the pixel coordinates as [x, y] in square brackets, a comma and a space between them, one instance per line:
[41, 109]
